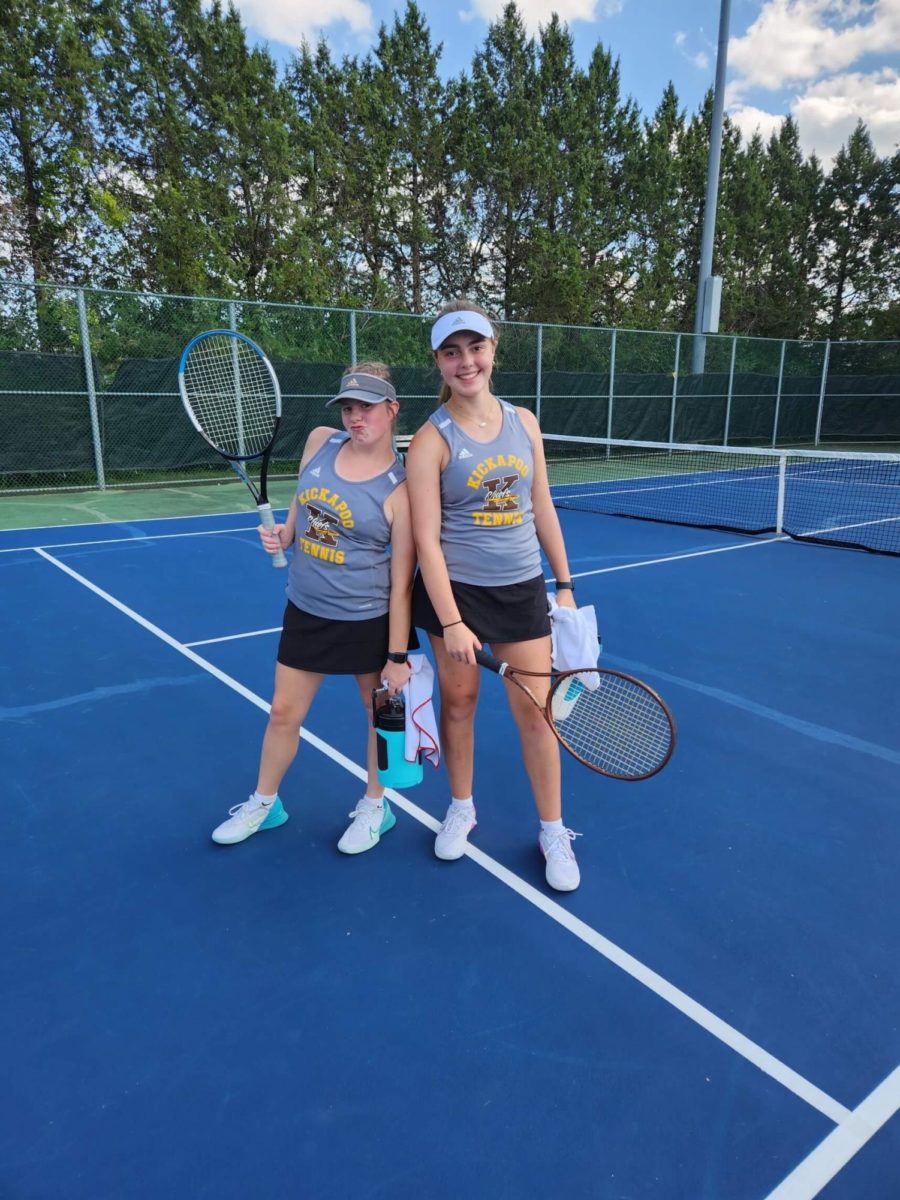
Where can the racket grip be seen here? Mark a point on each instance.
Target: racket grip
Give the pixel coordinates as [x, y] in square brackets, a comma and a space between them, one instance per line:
[487, 660]
[267, 518]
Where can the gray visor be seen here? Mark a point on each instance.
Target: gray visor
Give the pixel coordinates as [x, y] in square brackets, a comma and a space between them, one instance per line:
[368, 389]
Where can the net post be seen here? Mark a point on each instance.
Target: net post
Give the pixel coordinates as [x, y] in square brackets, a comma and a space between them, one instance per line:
[91, 387]
[674, 388]
[730, 392]
[352, 336]
[538, 374]
[778, 394]
[822, 387]
[782, 484]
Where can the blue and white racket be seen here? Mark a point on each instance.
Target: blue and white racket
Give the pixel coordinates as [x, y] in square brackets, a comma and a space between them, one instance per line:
[230, 392]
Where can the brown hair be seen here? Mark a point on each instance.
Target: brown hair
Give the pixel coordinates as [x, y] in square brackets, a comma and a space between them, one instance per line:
[463, 305]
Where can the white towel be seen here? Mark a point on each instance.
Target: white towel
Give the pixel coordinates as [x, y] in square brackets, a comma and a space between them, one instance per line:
[421, 725]
[576, 642]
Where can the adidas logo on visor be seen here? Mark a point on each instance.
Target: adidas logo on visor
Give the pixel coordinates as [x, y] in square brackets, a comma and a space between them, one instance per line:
[458, 321]
[353, 383]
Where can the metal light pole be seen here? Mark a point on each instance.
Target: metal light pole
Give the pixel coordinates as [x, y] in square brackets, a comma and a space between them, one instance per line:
[709, 287]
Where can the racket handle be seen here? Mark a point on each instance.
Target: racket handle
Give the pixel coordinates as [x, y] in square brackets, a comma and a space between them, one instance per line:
[487, 660]
[267, 518]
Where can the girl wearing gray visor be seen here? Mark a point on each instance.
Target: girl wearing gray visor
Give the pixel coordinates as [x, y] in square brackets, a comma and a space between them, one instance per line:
[482, 513]
[348, 590]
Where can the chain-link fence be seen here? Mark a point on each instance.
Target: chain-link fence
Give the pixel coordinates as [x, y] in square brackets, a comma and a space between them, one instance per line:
[89, 395]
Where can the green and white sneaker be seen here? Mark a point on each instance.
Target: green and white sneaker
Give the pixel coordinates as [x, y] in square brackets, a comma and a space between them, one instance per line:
[370, 821]
[248, 818]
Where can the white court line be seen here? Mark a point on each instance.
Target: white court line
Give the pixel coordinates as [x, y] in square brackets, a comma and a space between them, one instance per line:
[819, 1167]
[666, 991]
[241, 512]
[142, 537]
[652, 562]
[233, 637]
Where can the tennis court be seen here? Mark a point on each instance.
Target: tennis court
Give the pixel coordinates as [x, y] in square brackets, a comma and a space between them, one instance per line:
[711, 1016]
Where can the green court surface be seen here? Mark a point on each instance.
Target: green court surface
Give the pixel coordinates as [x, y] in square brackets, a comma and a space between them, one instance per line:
[133, 504]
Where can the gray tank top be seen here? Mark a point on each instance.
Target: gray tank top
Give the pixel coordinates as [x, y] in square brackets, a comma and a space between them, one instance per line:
[487, 521]
[341, 562]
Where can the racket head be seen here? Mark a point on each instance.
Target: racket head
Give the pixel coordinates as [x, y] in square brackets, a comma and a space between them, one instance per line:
[611, 722]
[230, 393]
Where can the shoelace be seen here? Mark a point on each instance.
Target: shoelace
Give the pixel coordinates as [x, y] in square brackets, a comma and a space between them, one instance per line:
[454, 823]
[362, 810]
[560, 844]
[247, 811]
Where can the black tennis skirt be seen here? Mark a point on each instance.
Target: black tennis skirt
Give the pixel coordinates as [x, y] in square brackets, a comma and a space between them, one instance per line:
[328, 647]
[513, 612]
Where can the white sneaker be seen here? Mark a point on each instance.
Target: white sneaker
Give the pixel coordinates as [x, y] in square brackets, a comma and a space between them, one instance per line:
[453, 835]
[248, 818]
[370, 821]
[562, 869]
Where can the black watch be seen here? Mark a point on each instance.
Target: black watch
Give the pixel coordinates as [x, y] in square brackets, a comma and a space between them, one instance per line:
[400, 657]
[565, 585]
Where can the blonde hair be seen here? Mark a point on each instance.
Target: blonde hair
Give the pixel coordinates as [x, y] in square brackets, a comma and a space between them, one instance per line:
[463, 305]
[379, 369]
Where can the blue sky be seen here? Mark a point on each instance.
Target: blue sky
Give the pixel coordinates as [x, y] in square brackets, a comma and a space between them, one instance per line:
[828, 62]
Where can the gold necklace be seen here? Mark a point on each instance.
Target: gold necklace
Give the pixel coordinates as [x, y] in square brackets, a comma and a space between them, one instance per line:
[473, 420]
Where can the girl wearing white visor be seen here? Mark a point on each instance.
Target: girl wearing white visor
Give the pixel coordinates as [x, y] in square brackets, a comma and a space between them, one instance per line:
[482, 512]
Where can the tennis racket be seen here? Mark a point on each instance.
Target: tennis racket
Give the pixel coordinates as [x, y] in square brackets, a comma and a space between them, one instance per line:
[230, 392]
[611, 722]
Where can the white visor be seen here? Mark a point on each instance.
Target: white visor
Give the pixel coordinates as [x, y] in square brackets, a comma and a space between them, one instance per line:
[459, 322]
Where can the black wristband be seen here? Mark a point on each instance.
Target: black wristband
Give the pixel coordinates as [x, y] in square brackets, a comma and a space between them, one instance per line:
[398, 657]
[565, 585]
[452, 623]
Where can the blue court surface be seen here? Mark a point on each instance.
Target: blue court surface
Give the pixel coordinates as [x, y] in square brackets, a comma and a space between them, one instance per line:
[713, 1015]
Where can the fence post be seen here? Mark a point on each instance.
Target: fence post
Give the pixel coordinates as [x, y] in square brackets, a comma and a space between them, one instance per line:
[612, 386]
[778, 395]
[730, 391]
[538, 376]
[352, 336]
[232, 316]
[674, 389]
[91, 388]
[822, 388]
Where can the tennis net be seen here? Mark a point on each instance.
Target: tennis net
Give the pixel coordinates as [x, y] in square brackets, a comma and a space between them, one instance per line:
[846, 499]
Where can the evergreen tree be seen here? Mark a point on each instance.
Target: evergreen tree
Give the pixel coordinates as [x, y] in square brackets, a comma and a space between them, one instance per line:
[51, 157]
[501, 159]
[658, 243]
[858, 232]
[412, 102]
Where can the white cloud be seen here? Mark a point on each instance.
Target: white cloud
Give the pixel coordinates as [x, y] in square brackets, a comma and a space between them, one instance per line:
[680, 38]
[796, 41]
[828, 111]
[750, 120]
[538, 12]
[810, 47]
[290, 21]
[700, 60]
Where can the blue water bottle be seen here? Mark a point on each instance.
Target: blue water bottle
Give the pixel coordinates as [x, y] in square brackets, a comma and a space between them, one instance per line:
[389, 720]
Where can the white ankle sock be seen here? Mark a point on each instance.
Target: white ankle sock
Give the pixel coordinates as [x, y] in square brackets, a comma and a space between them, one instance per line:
[462, 804]
[379, 802]
[264, 800]
[552, 826]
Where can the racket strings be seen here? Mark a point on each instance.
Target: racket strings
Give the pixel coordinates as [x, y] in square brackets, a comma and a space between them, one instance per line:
[620, 728]
[231, 396]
